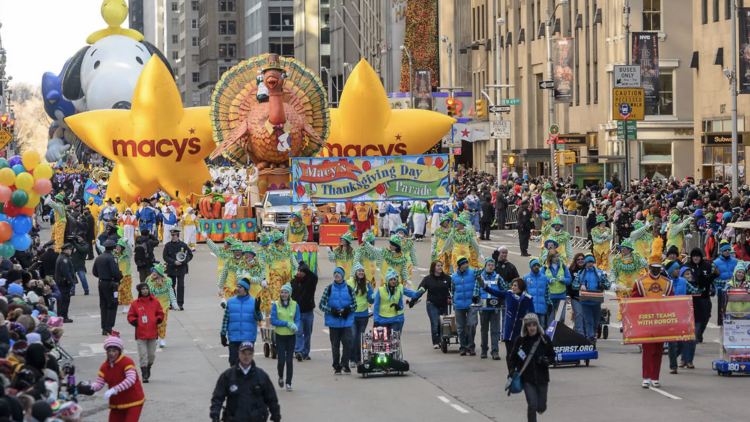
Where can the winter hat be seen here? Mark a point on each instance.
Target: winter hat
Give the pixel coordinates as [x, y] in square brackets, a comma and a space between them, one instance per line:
[696, 252]
[725, 247]
[548, 241]
[670, 266]
[683, 270]
[461, 261]
[340, 271]
[488, 260]
[32, 338]
[626, 243]
[41, 410]
[589, 258]
[19, 348]
[391, 274]
[32, 298]
[244, 284]
[534, 261]
[303, 266]
[556, 222]
[287, 287]
[15, 289]
[44, 333]
[35, 356]
[601, 219]
[139, 287]
[530, 318]
[357, 267]
[673, 251]
[114, 341]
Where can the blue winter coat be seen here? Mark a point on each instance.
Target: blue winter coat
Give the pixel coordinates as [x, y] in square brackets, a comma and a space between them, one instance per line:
[464, 288]
[516, 307]
[726, 270]
[594, 280]
[340, 298]
[146, 218]
[537, 285]
[242, 323]
[493, 280]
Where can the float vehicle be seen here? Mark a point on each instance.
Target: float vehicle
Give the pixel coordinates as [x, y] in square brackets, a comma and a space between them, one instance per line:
[734, 352]
[570, 347]
[382, 353]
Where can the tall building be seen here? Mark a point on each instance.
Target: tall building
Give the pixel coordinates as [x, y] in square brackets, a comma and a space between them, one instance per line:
[221, 38]
[712, 55]
[269, 27]
[148, 18]
[312, 36]
[182, 48]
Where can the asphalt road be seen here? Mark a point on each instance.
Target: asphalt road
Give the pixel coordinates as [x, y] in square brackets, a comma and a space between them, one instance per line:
[440, 387]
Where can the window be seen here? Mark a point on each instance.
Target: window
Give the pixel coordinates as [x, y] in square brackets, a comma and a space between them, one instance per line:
[231, 50]
[222, 27]
[704, 12]
[232, 27]
[727, 9]
[536, 27]
[665, 106]
[222, 5]
[194, 6]
[657, 151]
[222, 51]
[716, 10]
[196, 77]
[175, 6]
[175, 39]
[473, 23]
[652, 15]
[175, 55]
[195, 42]
[194, 24]
[196, 58]
[283, 46]
[175, 22]
[280, 18]
[227, 5]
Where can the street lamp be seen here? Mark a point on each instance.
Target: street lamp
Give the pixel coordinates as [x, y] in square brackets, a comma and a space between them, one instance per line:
[733, 82]
[548, 25]
[498, 95]
[411, 75]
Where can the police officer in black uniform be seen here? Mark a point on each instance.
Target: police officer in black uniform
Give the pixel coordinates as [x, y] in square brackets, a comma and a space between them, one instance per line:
[109, 275]
[525, 224]
[176, 269]
[65, 277]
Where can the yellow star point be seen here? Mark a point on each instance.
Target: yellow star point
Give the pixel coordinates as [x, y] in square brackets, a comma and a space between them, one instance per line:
[157, 144]
[364, 118]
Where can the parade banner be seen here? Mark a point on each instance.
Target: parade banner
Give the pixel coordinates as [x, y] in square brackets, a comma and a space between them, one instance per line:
[657, 320]
[330, 234]
[736, 334]
[743, 27]
[562, 58]
[646, 54]
[367, 179]
[91, 190]
[423, 89]
[243, 229]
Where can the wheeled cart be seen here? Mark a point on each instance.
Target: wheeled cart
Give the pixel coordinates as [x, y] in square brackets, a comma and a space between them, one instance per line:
[382, 353]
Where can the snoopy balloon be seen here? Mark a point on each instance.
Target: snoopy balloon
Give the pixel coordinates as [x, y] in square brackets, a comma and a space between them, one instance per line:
[57, 108]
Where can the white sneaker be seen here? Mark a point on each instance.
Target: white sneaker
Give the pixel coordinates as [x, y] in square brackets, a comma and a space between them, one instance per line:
[656, 384]
[162, 343]
[435, 346]
[646, 383]
[289, 387]
[126, 309]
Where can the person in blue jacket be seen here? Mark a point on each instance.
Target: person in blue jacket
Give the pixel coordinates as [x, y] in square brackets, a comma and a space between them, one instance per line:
[537, 285]
[338, 303]
[591, 279]
[364, 296]
[466, 293]
[285, 317]
[518, 303]
[240, 322]
[490, 315]
[560, 278]
[725, 263]
[388, 303]
[146, 216]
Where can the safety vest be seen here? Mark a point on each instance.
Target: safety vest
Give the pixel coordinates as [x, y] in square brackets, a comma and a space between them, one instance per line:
[307, 216]
[386, 310]
[363, 211]
[285, 314]
[361, 298]
[333, 218]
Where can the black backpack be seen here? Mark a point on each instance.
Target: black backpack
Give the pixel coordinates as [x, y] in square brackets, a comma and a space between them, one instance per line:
[141, 255]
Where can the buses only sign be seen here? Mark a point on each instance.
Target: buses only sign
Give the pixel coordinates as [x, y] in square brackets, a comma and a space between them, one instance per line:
[634, 97]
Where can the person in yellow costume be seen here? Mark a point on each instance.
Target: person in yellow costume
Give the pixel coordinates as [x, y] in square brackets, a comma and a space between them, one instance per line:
[408, 248]
[228, 279]
[332, 216]
[264, 240]
[119, 205]
[394, 258]
[676, 231]
[190, 227]
[367, 256]
[222, 253]
[281, 265]
[296, 230]
[308, 215]
[123, 254]
[626, 269]
[601, 235]
[58, 229]
[343, 254]
[253, 270]
[439, 237]
[462, 242]
[546, 227]
[549, 201]
[95, 209]
[642, 238]
[161, 287]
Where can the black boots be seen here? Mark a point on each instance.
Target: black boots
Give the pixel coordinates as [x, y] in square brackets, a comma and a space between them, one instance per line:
[145, 373]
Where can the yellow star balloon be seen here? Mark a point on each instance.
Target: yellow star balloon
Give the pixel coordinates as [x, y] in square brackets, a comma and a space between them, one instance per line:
[157, 144]
[365, 125]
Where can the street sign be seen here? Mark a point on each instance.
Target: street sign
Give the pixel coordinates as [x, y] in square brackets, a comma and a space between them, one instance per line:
[558, 141]
[546, 84]
[500, 109]
[500, 129]
[511, 101]
[456, 151]
[5, 138]
[627, 76]
[632, 129]
[624, 110]
[633, 97]
[447, 140]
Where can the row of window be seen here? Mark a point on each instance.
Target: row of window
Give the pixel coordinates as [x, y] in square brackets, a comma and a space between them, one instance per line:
[224, 6]
[193, 23]
[227, 27]
[715, 9]
[176, 40]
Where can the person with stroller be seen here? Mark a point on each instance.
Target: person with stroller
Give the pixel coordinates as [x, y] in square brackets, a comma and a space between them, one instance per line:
[438, 287]
[466, 294]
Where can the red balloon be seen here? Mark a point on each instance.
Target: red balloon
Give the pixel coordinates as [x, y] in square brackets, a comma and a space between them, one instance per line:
[6, 231]
[379, 189]
[11, 210]
[42, 186]
[300, 190]
[5, 194]
[366, 166]
[27, 211]
[439, 162]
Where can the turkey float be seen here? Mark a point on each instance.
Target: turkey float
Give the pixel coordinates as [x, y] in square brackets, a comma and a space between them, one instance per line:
[265, 105]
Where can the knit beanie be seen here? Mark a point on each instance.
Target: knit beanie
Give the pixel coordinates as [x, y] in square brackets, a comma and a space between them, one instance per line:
[461, 261]
[287, 287]
[15, 289]
[114, 341]
[19, 348]
[244, 284]
[340, 271]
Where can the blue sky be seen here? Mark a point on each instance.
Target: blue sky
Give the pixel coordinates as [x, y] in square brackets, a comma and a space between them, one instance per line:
[40, 35]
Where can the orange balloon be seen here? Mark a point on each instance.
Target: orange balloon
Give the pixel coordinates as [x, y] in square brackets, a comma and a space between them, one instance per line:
[6, 231]
[428, 161]
[27, 211]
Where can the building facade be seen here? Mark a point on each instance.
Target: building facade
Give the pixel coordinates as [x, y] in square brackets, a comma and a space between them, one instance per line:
[269, 27]
[148, 18]
[221, 39]
[182, 50]
[712, 138]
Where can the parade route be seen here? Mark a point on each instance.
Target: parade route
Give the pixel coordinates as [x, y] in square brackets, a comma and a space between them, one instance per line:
[440, 387]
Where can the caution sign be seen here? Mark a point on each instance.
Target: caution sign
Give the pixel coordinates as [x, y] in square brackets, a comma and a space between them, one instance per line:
[634, 97]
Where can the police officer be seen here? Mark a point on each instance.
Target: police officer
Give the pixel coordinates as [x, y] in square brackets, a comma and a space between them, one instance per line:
[65, 277]
[525, 224]
[248, 391]
[176, 269]
[109, 275]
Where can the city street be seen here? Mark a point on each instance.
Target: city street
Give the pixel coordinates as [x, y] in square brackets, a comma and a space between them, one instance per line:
[440, 387]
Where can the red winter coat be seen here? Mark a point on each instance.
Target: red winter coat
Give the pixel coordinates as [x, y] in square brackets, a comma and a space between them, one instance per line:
[151, 308]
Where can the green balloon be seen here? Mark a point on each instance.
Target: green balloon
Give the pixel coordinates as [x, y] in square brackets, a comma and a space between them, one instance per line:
[2, 209]
[7, 250]
[19, 198]
[4, 163]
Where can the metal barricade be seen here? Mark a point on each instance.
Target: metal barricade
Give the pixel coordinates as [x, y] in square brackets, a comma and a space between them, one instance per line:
[511, 216]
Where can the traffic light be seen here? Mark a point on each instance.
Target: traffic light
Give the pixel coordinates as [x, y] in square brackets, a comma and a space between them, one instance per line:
[12, 126]
[450, 103]
[481, 107]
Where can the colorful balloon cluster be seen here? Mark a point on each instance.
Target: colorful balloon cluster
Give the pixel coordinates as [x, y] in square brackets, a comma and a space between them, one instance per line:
[22, 183]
